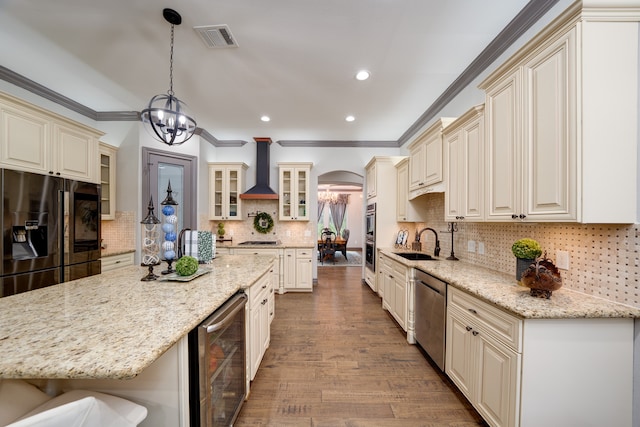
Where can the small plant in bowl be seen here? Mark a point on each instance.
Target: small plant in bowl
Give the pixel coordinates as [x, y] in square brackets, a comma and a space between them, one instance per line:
[221, 230]
[526, 251]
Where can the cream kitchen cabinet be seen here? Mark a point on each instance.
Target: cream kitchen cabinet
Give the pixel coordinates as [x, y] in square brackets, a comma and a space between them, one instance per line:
[226, 181]
[294, 191]
[35, 140]
[257, 316]
[464, 154]
[278, 267]
[407, 210]
[395, 295]
[371, 177]
[509, 368]
[108, 181]
[426, 163]
[561, 145]
[113, 262]
[484, 367]
[298, 271]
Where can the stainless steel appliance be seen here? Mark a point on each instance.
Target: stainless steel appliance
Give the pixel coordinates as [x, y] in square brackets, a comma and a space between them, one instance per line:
[50, 230]
[370, 237]
[217, 366]
[431, 315]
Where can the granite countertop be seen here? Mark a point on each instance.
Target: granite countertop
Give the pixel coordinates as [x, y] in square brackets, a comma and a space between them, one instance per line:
[112, 325]
[278, 245]
[110, 252]
[502, 290]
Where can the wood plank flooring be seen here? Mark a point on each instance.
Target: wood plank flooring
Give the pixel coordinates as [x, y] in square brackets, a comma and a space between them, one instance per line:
[337, 359]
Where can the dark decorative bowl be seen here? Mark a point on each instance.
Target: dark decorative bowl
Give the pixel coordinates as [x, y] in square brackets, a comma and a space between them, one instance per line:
[542, 277]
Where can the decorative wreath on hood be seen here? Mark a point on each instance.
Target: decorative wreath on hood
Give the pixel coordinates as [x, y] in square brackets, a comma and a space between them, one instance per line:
[263, 223]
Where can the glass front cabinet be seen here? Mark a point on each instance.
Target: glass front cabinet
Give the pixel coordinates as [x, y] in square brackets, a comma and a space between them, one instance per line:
[107, 181]
[294, 191]
[226, 182]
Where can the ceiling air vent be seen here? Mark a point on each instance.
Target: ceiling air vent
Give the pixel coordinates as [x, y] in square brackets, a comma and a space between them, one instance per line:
[216, 36]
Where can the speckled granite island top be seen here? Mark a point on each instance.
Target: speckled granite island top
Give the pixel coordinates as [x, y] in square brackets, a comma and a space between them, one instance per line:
[112, 325]
[503, 291]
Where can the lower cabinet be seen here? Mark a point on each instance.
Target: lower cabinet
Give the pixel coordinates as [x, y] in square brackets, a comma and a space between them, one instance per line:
[258, 322]
[298, 269]
[112, 262]
[539, 372]
[394, 282]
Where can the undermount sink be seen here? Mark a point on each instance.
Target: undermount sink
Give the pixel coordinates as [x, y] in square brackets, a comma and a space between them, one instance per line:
[415, 256]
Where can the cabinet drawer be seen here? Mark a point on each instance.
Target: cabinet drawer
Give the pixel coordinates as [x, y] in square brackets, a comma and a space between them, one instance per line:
[256, 251]
[304, 253]
[259, 291]
[116, 261]
[498, 323]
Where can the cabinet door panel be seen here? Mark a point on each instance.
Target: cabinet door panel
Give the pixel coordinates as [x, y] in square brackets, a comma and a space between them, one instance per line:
[458, 354]
[498, 379]
[503, 121]
[76, 154]
[473, 188]
[455, 189]
[550, 183]
[25, 141]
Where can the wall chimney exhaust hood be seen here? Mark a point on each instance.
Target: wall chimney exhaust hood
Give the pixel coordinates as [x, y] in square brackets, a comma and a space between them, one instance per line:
[261, 191]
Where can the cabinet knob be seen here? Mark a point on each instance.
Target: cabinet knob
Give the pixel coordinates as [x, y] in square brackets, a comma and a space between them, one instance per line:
[264, 301]
[514, 216]
[522, 216]
[475, 333]
[471, 310]
[468, 328]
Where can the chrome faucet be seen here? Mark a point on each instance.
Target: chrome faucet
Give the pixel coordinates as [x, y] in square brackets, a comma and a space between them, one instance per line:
[416, 243]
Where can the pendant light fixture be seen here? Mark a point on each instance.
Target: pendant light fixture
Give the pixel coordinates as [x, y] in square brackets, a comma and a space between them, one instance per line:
[166, 117]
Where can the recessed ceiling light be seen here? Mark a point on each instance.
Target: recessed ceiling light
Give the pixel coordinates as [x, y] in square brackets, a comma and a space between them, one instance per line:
[363, 75]
[265, 118]
[349, 118]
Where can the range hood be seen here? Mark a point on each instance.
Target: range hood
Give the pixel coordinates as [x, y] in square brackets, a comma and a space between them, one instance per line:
[261, 191]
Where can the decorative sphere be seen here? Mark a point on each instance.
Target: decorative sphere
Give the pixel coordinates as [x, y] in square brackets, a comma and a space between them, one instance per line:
[167, 246]
[167, 228]
[170, 236]
[168, 210]
[169, 255]
[171, 219]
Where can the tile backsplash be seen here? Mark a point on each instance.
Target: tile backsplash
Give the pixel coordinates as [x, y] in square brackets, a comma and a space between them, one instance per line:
[603, 257]
[288, 232]
[120, 234]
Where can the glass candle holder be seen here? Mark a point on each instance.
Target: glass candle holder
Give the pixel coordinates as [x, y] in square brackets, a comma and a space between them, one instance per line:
[150, 235]
[169, 224]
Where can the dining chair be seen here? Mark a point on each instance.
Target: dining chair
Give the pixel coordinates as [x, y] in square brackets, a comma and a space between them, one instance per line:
[328, 250]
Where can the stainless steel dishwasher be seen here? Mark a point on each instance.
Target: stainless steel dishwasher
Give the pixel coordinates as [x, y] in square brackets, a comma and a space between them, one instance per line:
[431, 315]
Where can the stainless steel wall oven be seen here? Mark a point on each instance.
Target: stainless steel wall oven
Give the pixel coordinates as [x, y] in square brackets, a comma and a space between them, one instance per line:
[370, 237]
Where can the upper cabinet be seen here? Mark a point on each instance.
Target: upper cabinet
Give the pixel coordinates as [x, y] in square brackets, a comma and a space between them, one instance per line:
[371, 177]
[407, 210]
[294, 191]
[562, 122]
[464, 153]
[226, 182]
[35, 140]
[426, 160]
[108, 181]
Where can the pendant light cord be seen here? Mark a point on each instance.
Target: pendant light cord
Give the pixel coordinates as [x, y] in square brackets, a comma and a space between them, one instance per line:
[170, 92]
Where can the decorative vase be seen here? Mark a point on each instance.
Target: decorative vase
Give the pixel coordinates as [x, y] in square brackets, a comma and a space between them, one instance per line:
[542, 277]
[521, 265]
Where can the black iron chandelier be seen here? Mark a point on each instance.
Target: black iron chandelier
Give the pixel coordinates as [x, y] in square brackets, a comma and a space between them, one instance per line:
[166, 117]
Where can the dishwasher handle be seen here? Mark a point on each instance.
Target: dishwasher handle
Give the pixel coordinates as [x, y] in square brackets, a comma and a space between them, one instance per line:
[225, 314]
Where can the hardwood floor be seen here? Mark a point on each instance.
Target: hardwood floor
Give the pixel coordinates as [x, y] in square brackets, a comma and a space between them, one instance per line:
[337, 359]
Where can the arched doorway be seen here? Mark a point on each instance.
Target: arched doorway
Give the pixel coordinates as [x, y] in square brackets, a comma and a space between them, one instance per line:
[345, 210]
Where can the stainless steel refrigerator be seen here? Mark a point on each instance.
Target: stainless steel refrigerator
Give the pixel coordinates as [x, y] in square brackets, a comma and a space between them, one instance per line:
[50, 231]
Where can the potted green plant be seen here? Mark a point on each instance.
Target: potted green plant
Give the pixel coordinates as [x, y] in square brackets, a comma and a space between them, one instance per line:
[526, 251]
[221, 230]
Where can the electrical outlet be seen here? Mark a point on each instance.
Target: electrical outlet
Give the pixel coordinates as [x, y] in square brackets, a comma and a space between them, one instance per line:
[471, 245]
[481, 248]
[562, 259]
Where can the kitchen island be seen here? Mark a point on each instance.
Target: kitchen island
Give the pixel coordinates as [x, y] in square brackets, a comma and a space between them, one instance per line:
[112, 325]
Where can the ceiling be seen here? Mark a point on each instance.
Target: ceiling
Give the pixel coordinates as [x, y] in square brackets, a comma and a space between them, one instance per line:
[295, 60]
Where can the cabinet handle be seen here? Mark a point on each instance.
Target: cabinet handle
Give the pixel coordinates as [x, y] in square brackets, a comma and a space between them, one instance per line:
[264, 286]
[514, 216]
[522, 216]
[50, 172]
[473, 311]
[475, 333]
[264, 301]
[468, 328]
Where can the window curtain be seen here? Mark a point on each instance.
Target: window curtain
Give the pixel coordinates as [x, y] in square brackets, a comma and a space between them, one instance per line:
[338, 210]
[320, 209]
